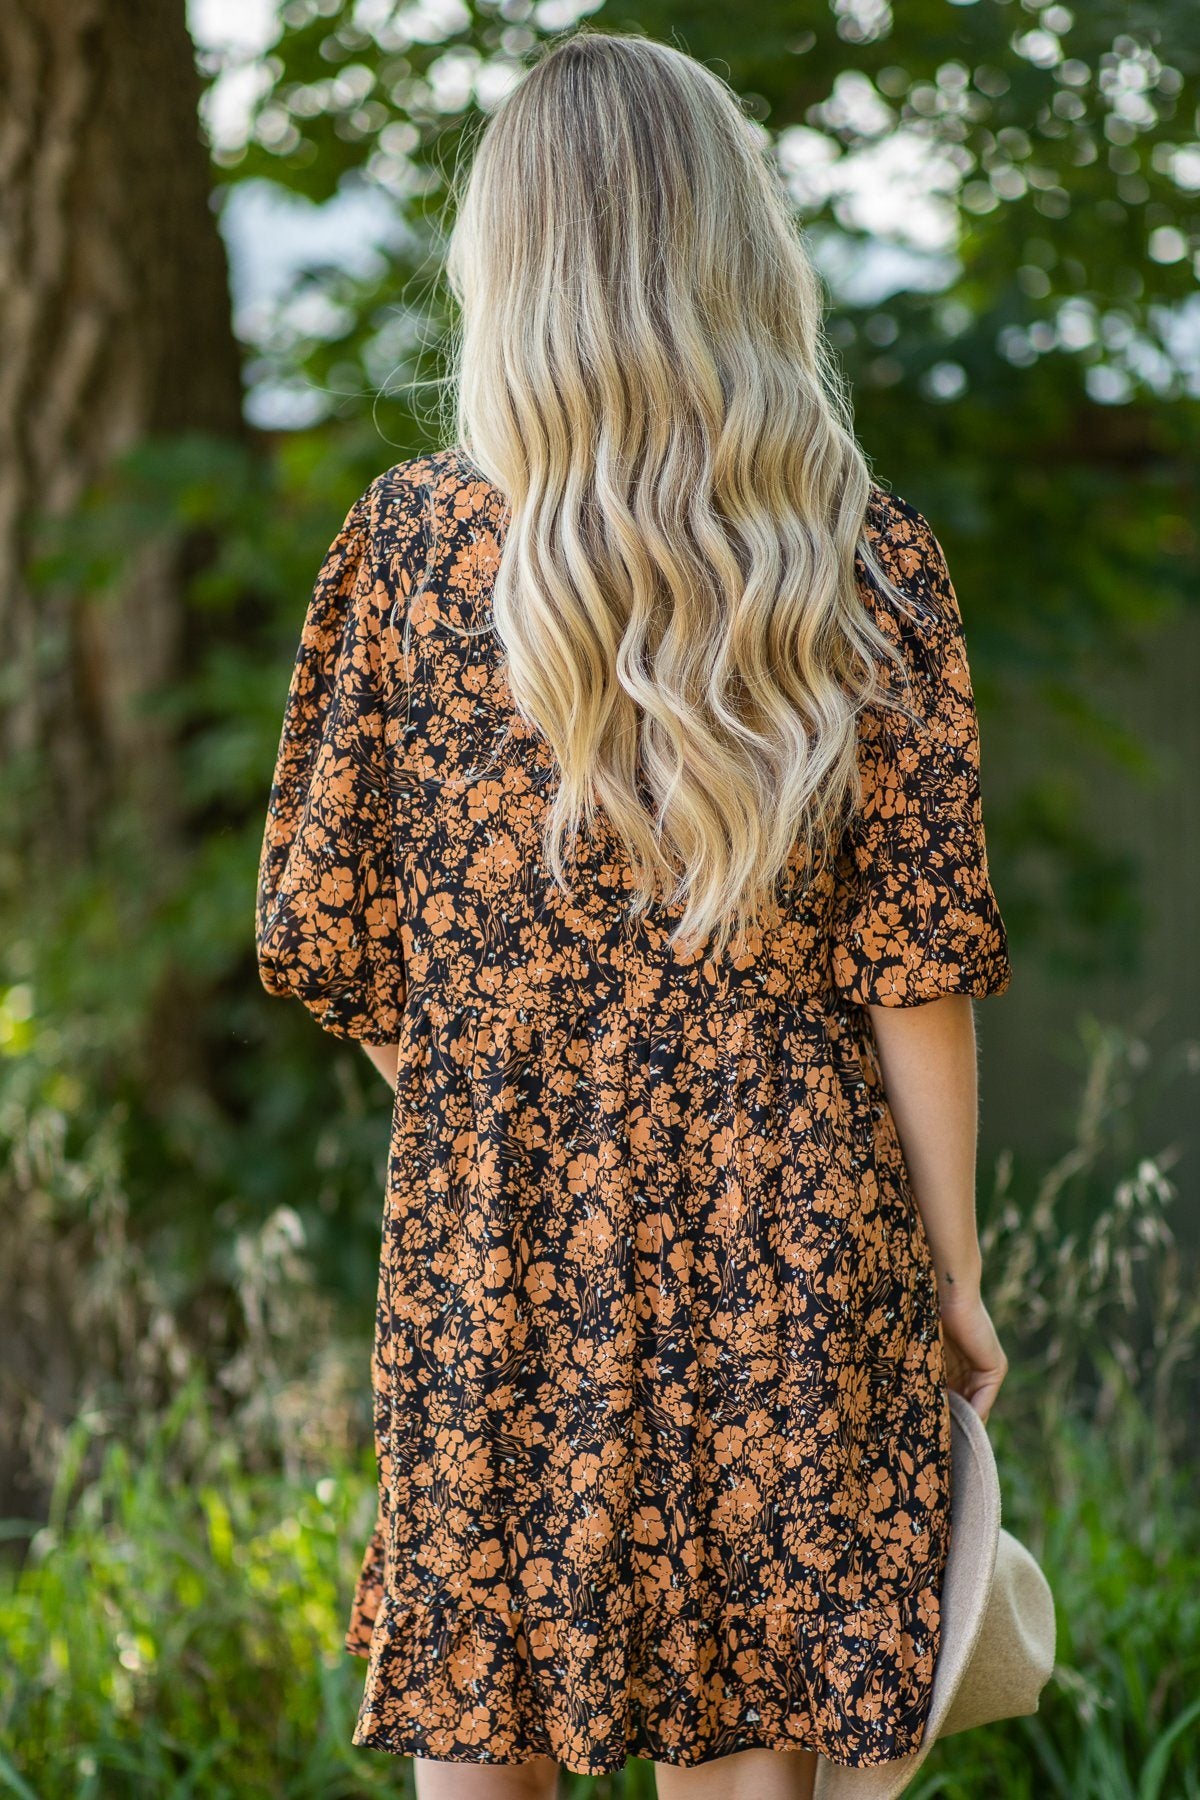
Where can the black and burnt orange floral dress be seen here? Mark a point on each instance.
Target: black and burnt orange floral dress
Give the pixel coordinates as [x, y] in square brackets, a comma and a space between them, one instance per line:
[663, 1443]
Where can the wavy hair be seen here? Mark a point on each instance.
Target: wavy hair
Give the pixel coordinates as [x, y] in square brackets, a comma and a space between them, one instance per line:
[640, 368]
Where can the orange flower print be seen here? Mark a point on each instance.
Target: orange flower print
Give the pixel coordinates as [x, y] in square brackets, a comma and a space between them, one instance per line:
[648, 1526]
[661, 1432]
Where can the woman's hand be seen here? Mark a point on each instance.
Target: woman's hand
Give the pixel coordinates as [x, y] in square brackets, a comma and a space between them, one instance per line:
[975, 1362]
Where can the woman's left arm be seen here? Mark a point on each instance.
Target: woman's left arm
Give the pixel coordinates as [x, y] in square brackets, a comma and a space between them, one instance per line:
[326, 924]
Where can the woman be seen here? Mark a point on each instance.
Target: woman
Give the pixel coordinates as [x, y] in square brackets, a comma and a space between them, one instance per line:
[627, 813]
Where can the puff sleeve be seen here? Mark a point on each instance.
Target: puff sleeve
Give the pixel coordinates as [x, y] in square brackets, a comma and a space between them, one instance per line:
[326, 921]
[915, 916]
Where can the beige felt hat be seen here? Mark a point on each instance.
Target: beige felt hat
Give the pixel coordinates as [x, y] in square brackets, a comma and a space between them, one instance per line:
[997, 1612]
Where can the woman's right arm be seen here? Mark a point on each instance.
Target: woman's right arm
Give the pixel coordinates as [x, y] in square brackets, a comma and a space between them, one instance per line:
[917, 932]
[927, 1059]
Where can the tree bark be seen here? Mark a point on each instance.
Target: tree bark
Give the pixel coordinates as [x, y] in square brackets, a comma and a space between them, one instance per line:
[114, 330]
[115, 326]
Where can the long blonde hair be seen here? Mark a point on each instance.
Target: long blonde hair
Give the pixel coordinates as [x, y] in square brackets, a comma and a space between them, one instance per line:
[641, 370]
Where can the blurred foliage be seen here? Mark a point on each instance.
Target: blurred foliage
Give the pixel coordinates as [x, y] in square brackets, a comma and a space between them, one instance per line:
[176, 1627]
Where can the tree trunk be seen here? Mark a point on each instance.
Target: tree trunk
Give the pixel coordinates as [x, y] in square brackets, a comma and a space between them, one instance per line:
[114, 329]
[115, 325]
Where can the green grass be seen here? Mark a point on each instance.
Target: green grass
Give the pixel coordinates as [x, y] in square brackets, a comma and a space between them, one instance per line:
[177, 1631]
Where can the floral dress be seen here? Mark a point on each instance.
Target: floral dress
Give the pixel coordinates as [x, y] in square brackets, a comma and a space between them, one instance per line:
[662, 1435]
